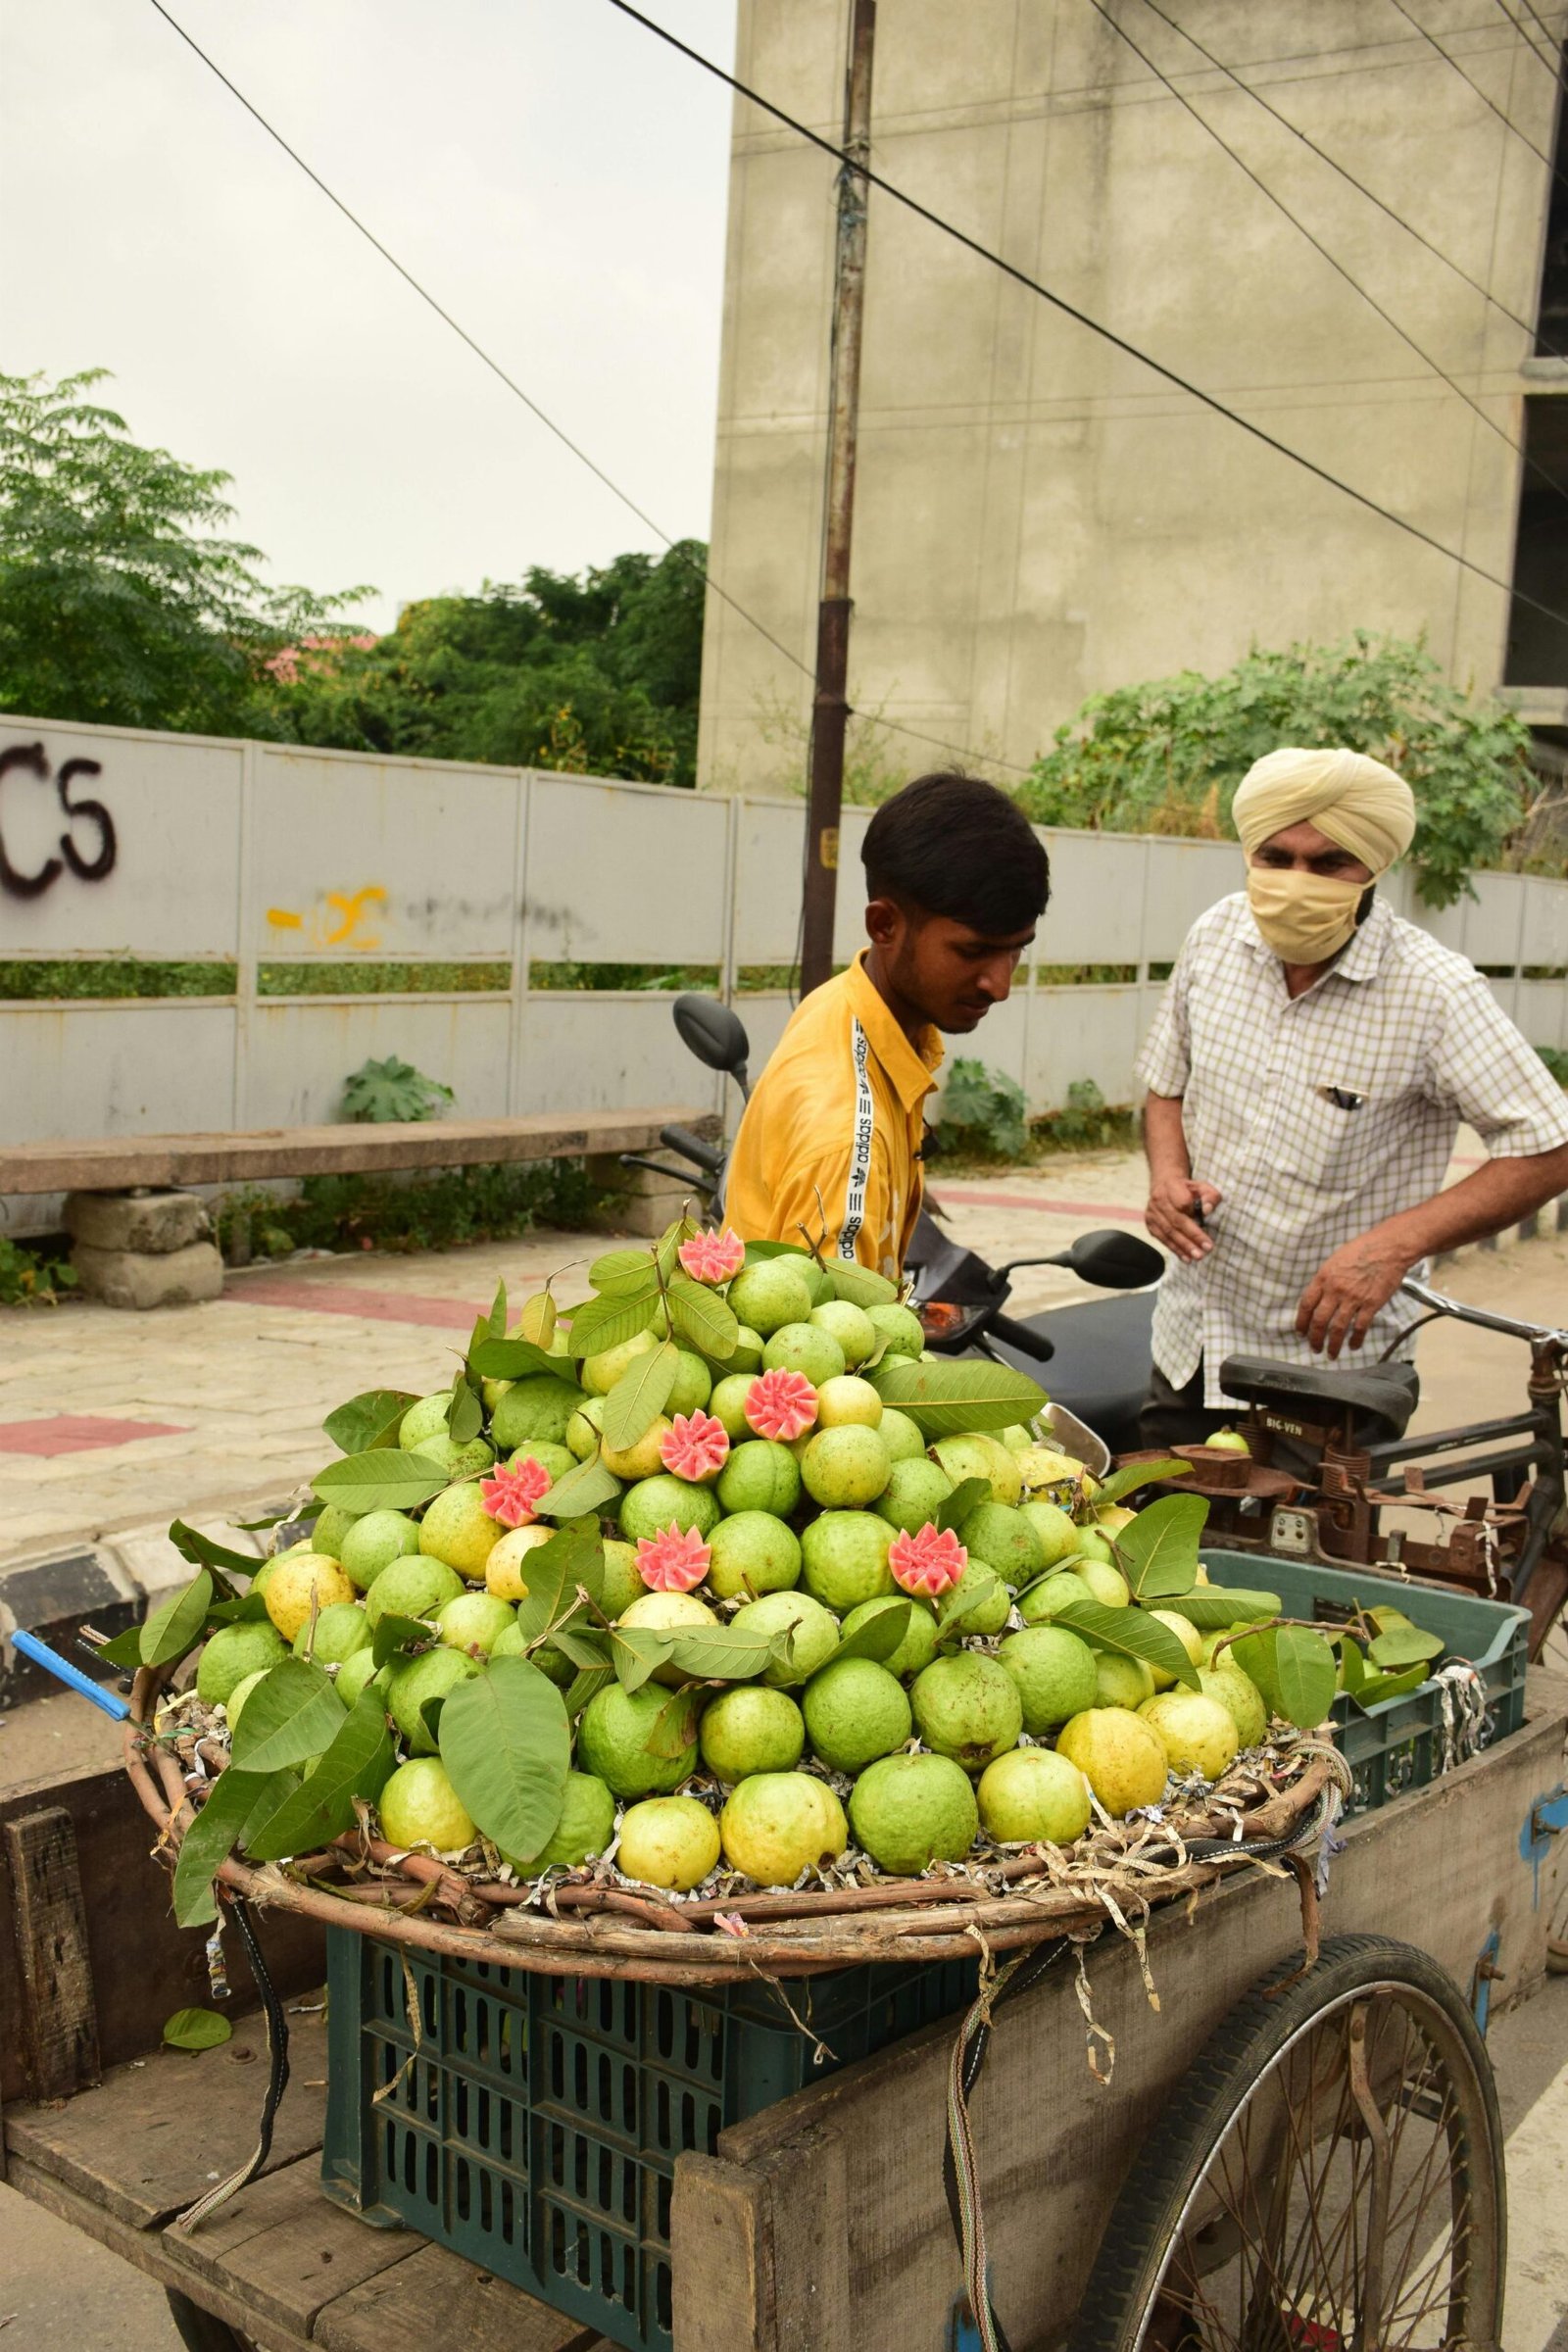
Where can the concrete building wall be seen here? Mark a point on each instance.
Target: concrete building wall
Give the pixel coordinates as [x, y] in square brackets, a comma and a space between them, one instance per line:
[1039, 516]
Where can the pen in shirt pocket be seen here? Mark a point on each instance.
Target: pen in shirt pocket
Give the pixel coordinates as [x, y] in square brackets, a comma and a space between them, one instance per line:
[1343, 1098]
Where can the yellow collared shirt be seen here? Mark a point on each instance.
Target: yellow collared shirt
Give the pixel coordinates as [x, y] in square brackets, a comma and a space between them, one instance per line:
[831, 1136]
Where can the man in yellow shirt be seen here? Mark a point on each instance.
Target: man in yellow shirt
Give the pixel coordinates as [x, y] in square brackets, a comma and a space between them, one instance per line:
[829, 1148]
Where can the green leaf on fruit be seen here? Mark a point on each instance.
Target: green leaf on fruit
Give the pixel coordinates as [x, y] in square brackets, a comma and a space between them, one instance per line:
[1404, 1646]
[358, 1763]
[604, 1323]
[211, 1839]
[702, 1319]
[637, 1650]
[879, 1632]
[758, 1253]
[858, 1284]
[465, 1412]
[537, 1319]
[292, 1715]
[202, 1553]
[1212, 1607]
[175, 1627]
[961, 1600]
[515, 1359]
[196, 2030]
[248, 1610]
[384, 1479]
[582, 1490]
[675, 1727]
[1133, 1475]
[1130, 1634]
[580, 1644]
[496, 1321]
[621, 1273]
[586, 1685]
[575, 1556]
[667, 1253]
[369, 1421]
[966, 1497]
[950, 1399]
[507, 1746]
[1157, 1551]
[123, 1650]
[1295, 1669]
[640, 1394]
[1379, 1689]
[719, 1654]
[395, 1634]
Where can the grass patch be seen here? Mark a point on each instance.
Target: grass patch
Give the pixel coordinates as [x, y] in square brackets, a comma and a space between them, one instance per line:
[490, 1202]
[1084, 975]
[351, 977]
[53, 980]
[549, 979]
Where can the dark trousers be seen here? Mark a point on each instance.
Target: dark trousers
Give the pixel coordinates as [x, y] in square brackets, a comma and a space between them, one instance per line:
[1179, 1416]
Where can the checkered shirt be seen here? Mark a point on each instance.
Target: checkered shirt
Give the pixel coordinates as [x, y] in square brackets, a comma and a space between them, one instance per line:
[1317, 1117]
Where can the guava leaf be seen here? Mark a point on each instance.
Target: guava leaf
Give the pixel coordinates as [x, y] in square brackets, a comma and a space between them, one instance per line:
[175, 1626]
[464, 1413]
[959, 1602]
[636, 1650]
[196, 2030]
[581, 1491]
[1130, 1634]
[496, 1320]
[674, 1727]
[879, 1632]
[1157, 1551]
[124, 1649]
[1352, 1664]
[640, 1394]
[506, 1746]
[537, 1319]
[211, 1839]
[581, 1645]
[947, 1399]
[1211, 1607]
[394, 1634]
[966, 1497]
[575, 1556]
[667, 1253]
[586, 1685]
[367, 1422]
[292, 1714]
[358, 1763]
[758, 1252]
[604, 1323]
[621, 1273]
[1378, 1689]
[702, 1319]
[385, 1479]
[1133, 1475]
[1404, 1646]
[1294, 1670]
[860, 1285]
[203, 1553]
[515, 1359]
[248, 1610]
[717, 1653]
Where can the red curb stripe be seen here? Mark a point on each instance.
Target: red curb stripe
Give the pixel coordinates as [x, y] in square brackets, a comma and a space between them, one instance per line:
[79, 1433]
[343, 1299]
[1046, 1206]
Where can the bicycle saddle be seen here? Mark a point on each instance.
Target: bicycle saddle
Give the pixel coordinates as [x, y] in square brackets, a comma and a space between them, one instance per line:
[1386, 1394]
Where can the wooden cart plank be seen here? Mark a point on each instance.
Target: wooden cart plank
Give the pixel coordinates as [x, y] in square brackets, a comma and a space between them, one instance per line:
[60, 2021]
[284, 2250]
[147, 2251]
[436, 2299]
[156, 2135]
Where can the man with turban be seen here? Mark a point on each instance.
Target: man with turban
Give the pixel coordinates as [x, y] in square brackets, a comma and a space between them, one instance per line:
[1307, 1075]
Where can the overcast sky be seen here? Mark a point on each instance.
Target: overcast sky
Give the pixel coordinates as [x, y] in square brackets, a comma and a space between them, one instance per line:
[553, 173]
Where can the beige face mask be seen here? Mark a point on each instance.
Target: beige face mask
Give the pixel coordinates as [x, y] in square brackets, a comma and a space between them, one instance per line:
[1306, 918]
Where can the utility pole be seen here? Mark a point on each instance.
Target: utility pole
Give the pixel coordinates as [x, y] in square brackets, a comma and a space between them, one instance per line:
[830, 709]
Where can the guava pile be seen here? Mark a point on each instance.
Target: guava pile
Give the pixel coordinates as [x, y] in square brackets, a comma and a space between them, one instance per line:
[719, 1576]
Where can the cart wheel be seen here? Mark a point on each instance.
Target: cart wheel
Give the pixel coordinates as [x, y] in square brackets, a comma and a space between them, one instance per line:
[199, 2331]
[1328, 2174]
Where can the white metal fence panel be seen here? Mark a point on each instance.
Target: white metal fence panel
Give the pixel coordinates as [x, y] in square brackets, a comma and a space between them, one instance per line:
[124, 1068]
[603, 1052]
[1095, 914]
[303, 1048]
[621, 873]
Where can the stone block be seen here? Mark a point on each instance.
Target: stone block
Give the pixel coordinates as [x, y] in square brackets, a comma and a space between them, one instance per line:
[153, 1224]
[138, 1279]
[637, 1201]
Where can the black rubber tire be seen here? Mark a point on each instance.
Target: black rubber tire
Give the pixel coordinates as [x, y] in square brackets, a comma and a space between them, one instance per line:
[1147, 2213]
[199, 2330]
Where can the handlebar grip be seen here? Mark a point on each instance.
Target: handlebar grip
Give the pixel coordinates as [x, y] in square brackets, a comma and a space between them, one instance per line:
[694, 1147]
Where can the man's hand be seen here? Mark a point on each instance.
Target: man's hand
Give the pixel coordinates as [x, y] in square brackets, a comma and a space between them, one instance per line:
[1173, 1205]
[1346, 1290]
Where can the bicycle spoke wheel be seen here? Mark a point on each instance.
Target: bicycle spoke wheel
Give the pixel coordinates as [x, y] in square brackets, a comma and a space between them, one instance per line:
[1328, 2178]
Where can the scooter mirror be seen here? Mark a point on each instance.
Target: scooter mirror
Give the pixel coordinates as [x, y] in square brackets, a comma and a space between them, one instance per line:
[1114, 1260]
[714, 1033]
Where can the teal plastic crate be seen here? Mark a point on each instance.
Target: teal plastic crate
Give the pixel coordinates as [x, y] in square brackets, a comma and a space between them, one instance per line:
[1399, 1744]
[532, 2123]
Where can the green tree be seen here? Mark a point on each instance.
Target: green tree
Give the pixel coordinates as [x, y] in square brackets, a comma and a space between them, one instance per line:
[596, 673]
[1167, 757]
[120, 601]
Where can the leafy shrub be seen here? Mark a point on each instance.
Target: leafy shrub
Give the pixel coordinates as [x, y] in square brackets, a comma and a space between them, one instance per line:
[982, 1113]
[380, 1091]
[441, 1211]
[1556, 1061]
[1167, 757]
[31, 1277]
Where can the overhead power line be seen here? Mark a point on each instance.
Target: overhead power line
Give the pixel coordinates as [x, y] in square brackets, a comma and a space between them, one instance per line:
[1069, 310]
[1476, 285]
[890, 725]
[1522, 24]
[1516, 448]
[1485, 96]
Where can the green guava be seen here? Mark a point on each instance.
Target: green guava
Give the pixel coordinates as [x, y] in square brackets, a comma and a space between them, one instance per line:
[855, 1712]
[967, 1708]
[909, 1811]
[753, 1553]
[749, 1729]
[843, 1558]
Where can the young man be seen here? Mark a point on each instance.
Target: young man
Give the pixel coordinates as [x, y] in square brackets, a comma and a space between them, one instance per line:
[1307, 1076]
[830, 1143]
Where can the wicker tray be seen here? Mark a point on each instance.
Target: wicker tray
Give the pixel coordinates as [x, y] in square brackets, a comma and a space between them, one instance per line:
[593, 1923]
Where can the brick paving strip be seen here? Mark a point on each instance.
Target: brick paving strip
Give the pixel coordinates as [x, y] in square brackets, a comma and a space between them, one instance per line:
[80, 1433]
[345, 1299]
[1044, 1205]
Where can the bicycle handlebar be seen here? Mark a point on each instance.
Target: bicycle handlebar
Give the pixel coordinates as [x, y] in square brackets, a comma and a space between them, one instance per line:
[1440, 1305]
[695, 1147]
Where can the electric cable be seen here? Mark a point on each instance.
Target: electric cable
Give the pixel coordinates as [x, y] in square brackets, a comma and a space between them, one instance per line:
[1107, 334]
[1485, 96]
[1476, 285]
[1516, 448]
[893, 726]
[1523, 27]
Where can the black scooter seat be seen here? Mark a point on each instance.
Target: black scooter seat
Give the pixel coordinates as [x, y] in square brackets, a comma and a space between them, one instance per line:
[1099, 1367]
[1387, 1394]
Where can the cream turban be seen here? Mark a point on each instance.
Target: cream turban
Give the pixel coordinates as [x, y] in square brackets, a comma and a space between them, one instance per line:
[1358, 802]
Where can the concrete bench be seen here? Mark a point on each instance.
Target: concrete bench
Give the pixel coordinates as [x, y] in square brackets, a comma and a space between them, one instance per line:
[140, 1234]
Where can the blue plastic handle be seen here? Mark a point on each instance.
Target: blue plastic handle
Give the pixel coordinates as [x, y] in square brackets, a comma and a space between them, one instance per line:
[83, 1683]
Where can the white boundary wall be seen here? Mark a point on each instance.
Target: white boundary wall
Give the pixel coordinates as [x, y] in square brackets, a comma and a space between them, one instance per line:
[249, 855]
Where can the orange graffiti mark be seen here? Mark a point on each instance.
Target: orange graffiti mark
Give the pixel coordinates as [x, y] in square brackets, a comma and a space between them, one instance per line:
[348, 913]
[281, 919]
[352, 909]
